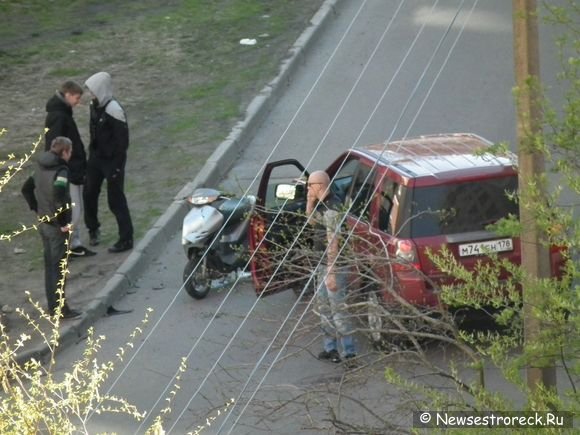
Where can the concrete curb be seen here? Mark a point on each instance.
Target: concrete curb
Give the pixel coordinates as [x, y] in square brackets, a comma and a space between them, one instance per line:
[218, 164]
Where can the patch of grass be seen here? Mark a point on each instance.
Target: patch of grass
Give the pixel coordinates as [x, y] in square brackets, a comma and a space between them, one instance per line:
[7, 150]
[211, 95]
[143, 220]
[184, 123]
[63, 72]
[151, 60]
[18, 58]
[205, 90]
[276, 25]
[79, 38]
[225, 109]
[242, 10]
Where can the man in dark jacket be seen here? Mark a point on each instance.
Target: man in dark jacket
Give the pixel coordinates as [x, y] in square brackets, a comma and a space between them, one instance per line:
[47, 194]
[60, 122]
[107, 158]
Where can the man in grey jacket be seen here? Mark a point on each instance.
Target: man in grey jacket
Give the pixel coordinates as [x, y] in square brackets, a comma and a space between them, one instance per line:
[47, 194]
[107, 158]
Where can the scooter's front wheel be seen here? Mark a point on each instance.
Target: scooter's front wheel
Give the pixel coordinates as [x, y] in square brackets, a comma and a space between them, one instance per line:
[197, 281]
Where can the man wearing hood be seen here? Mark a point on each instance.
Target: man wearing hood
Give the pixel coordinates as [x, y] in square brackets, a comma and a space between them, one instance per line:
[60, 122]
[47, 194]
[107, 158]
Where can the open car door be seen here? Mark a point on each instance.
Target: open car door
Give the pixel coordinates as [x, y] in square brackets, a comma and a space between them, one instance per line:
[277, 222]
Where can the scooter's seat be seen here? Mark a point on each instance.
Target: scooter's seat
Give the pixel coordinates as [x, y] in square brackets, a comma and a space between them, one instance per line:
[235, 209]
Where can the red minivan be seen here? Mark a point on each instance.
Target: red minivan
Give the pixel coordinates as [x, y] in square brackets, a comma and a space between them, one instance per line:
[408, 197]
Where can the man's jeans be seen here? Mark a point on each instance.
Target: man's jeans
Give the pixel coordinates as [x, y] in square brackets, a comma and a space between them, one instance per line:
[53, 243]
[335, 319]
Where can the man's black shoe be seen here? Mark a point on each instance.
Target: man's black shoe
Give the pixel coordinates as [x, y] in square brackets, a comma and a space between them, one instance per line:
[70, 314]
[331, 355]
[81, 251]
[94, 237]
[67, 313]
[121, 246]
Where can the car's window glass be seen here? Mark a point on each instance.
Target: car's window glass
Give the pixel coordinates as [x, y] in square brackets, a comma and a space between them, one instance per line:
[342, 180]
[388, 204]
[463, 207]
[361, 191]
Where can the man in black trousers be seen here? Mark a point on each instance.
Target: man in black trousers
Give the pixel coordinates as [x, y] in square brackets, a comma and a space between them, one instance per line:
[47, 194]
[107, 159]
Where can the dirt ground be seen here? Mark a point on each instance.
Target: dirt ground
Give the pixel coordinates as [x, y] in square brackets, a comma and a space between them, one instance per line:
[181, 74]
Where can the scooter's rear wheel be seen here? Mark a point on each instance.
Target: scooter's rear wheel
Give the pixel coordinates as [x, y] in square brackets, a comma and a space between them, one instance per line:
[197, 281]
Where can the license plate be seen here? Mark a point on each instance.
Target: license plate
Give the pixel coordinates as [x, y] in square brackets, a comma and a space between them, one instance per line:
[481, 248]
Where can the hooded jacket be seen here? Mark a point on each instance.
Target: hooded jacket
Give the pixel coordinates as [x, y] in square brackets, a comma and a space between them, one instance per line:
[60, 122]
[108, 123]
[47, 190]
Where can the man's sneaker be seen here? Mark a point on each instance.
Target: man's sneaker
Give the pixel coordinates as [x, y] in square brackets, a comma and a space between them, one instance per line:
[330, 355]
[121, 246]
[81, 251]
[94, 237]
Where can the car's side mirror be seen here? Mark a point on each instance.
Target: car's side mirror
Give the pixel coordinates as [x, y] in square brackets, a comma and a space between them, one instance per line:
[286, 191]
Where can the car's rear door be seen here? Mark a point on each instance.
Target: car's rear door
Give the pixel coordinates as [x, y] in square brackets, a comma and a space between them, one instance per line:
[457, 215]
[275, 235]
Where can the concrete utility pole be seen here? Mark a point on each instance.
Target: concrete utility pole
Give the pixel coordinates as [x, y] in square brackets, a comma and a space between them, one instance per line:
[535, 254]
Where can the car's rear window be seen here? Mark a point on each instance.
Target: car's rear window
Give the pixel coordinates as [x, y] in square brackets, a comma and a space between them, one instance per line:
[459, 208]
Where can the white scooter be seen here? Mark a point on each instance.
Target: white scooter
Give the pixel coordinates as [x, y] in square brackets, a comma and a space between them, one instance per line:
[214, 237]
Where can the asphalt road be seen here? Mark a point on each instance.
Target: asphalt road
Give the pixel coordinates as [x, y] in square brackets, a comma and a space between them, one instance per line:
[379, 72]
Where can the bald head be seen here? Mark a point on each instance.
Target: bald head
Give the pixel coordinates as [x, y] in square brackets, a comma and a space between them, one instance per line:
[318, 183]
[319, 177]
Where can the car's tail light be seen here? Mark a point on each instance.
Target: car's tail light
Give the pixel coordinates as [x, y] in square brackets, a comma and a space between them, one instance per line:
[406, 255]
[557, 260]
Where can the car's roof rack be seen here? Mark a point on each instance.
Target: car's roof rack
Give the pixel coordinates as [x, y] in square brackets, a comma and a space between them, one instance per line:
[430, 155]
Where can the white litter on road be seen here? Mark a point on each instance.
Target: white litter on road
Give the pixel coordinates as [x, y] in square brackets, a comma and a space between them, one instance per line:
[247, 41]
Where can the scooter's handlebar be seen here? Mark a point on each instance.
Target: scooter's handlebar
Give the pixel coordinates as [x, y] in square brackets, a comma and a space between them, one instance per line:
[205, 196]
